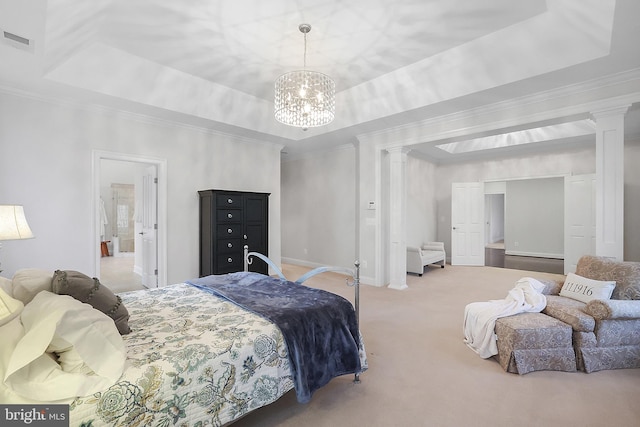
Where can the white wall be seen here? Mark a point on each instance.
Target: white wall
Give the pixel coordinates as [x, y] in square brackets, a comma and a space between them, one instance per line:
[428, 204]
[421, 206]
[557, 163]
[632, 200]
[575, 161]
[45, 165]
[318, 209]
[534, 219]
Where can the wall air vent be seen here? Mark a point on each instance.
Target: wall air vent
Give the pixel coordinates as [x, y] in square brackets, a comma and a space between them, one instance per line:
[16, 41]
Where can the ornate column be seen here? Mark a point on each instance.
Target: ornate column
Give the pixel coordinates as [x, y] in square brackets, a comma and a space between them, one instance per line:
[398, 217]
[610, 182]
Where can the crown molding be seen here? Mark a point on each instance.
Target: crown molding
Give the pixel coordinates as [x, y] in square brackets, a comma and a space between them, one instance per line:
[137, 117]
[422, 131]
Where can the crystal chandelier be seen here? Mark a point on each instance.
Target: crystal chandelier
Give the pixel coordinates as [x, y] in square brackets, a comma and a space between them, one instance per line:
[305, 98]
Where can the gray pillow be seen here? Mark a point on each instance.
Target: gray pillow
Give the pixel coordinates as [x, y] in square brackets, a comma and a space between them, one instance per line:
[90, 291]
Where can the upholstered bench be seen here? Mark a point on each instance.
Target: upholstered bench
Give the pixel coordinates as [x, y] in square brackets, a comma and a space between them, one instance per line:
[534, 342]
[429, 253]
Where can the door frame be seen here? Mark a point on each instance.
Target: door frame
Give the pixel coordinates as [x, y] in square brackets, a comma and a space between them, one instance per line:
[161, 165]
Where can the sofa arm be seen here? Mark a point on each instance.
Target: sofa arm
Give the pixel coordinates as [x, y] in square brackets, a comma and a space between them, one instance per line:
[433, 246]
[613, 309]
[551, 287]
[414, 260]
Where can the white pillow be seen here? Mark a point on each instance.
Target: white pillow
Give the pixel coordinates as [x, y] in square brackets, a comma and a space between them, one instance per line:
[10, 308]
[583, 289]
[29, 281]
[5, 285]
[63, 327]
[10, 334]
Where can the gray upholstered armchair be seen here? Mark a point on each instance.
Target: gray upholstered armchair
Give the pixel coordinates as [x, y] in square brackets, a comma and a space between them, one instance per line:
[606, 333]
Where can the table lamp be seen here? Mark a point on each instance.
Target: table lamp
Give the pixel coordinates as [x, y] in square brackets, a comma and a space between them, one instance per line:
[13, 224]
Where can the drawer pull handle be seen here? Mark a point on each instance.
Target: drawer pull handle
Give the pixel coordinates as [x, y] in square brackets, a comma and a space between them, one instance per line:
[229, 259]
[229, 245]
[229, 230]
[229, 215]
[229, 201]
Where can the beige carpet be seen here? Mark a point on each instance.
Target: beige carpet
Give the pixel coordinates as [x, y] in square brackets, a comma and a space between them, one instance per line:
[421, 373]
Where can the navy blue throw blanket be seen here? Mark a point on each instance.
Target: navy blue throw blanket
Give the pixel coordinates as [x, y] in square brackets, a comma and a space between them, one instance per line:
[319, 328]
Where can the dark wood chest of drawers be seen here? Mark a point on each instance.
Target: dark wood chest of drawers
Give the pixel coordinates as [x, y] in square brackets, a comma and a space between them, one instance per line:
[228, 221]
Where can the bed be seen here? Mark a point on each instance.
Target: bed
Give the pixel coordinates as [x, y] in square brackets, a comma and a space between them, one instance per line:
[197, 354]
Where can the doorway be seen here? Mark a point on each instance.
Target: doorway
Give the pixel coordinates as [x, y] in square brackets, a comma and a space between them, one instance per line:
[522, 221]
[123, 212]
[494, 255]
[130, 252]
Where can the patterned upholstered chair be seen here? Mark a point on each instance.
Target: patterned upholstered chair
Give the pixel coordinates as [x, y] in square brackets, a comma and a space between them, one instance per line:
[606, 333]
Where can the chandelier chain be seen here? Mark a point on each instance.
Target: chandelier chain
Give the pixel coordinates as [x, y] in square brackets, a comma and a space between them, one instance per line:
[304, 61]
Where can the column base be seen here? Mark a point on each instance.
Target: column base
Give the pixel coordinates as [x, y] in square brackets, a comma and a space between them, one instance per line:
[398, 286]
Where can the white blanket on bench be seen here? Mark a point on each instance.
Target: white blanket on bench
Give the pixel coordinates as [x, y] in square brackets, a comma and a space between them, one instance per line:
[480, 317]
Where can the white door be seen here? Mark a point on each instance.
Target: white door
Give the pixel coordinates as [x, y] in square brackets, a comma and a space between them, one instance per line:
[579, 219]
[150, 227]
[467, 223]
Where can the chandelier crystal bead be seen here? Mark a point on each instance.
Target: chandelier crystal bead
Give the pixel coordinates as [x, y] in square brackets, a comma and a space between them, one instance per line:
[305, 98]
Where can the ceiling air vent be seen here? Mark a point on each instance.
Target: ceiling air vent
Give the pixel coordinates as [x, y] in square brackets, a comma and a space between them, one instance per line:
[17, 41]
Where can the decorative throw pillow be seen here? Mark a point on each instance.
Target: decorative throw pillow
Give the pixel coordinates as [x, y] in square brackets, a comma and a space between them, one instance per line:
[90, 291]
[28, 282]
[583, 289]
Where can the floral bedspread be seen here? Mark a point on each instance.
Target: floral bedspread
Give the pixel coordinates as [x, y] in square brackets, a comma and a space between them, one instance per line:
[193, 359]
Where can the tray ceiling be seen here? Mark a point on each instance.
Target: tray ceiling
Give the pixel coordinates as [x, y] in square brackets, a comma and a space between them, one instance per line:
[213, 64]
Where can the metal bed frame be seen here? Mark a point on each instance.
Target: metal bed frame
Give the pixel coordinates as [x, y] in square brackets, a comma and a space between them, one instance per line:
[355, 274]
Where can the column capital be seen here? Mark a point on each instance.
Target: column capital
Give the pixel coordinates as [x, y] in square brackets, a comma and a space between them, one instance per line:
[401, 149]
[608, 112]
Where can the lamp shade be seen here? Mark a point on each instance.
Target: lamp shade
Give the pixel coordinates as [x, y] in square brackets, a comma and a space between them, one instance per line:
[13, 224]
[305, 99]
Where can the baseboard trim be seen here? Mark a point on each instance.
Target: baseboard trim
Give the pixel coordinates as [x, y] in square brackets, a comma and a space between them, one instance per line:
[303, 263]
[535, 254]
[363, 279]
